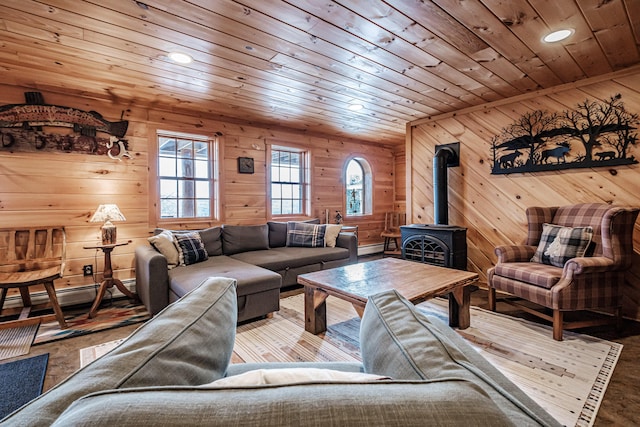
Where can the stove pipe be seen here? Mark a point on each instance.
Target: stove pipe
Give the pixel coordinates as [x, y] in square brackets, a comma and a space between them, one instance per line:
[441, 160]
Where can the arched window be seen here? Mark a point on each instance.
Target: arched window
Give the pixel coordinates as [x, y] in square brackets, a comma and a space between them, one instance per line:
[358, 187]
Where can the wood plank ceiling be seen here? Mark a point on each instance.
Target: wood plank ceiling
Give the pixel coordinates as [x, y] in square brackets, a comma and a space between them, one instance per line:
[300, 63]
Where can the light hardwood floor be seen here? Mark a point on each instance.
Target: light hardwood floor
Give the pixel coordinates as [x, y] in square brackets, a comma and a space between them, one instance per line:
[621, 404]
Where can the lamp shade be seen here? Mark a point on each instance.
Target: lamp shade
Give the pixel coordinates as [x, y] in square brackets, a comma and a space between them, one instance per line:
[106, 214]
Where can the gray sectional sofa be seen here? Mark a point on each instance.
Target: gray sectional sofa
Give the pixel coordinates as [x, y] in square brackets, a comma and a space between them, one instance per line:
[167, 374]
[262, 258]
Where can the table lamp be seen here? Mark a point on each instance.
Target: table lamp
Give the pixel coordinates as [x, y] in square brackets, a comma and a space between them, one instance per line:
[107, 213]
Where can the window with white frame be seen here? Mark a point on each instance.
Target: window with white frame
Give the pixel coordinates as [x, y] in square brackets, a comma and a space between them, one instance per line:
[186, 178]
[358, 192]
[288, 181]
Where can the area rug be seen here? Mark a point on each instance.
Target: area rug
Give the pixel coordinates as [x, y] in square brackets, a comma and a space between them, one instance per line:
[21, 381]
[16, 342]
[121, 313]
[567, 378]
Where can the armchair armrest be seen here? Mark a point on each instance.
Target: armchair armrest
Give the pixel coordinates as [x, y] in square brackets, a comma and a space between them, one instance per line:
[152, 278]
[349, 241]
[514, 253]
[586, 265]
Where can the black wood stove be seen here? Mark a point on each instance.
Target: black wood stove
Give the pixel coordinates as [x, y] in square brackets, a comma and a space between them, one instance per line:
[440, 243]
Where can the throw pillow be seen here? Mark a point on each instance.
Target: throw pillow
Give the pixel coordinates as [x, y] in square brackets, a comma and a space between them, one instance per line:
[331, 235]
[559, 244]
[292, 376]
[163, 242]
[300, 234]
[190, 248]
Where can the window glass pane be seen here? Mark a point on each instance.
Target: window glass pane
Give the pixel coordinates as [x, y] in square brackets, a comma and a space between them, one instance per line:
[296, 191]
[276, 191]
[167, 166]
[202, 189]
[287, 207]
[186, 189]
[186, 208]
[185, 148]
[295, 175]
[185, 168]
[202, 208]
[275, 173]
[276, 207]
[201, 150]
[286, 191]
[296, 206]
[167, 146]
[168, 188]
[202, 169]
[168, 208]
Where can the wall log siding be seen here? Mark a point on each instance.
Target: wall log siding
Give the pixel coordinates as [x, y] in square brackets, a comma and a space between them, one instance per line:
[44, 188]
[492, 206]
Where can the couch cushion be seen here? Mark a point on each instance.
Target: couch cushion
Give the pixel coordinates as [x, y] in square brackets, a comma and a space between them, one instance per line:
[381, 403]
[189, 342]
[532, 273]
[399, 341]
[279, 259]
[300, 234]
[243, 238]
[251, 278]
[190, 248]
[559, 244]
[212, 239]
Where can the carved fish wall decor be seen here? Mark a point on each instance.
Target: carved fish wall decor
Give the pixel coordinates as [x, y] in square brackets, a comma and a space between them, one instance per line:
[35, 114]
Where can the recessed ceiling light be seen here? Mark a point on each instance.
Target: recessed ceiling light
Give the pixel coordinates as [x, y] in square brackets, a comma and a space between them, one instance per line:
[355, 107]
[557, 36]
[180, 58]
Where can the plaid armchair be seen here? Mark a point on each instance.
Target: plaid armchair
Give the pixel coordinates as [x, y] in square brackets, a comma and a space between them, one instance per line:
[590, 277]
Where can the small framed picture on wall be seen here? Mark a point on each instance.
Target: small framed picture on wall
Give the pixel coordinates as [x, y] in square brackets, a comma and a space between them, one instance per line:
[245, 165]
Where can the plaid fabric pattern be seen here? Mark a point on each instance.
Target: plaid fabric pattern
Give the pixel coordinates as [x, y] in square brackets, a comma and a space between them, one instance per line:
[306, 235]
[190, 248]
[584, 283]
[559, 244]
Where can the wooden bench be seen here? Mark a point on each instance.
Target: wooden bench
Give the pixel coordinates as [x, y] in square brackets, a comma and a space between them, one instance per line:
[31, 256]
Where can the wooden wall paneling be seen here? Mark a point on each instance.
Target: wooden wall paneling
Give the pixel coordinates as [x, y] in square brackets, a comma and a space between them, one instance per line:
[492, 206]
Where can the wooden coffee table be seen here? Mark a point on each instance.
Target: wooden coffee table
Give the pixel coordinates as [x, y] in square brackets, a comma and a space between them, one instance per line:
[415, 281]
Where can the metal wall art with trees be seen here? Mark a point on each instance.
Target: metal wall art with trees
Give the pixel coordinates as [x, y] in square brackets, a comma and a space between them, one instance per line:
[596, 133]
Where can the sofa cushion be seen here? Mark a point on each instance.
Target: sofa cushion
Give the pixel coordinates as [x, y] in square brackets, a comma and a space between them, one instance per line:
[250, 278]
[559, 244]
[300, 234]
[380, 403]
[189, 342]
[212, 239]
[399, 341]
[164, 243]
[279, 259]
[531, 273]
[243, 238]
[190, 248]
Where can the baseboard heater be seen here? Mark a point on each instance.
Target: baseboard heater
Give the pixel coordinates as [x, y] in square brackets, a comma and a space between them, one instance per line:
[71, 296]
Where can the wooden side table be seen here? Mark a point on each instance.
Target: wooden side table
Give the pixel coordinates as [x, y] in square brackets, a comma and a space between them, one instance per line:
[108, 281]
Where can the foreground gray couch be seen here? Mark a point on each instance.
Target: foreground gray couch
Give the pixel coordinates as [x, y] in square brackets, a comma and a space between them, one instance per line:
[161, 376]
[258, 257]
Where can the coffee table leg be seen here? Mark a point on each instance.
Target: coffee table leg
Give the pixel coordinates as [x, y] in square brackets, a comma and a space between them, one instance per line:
[315, 310]
[459, 306]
